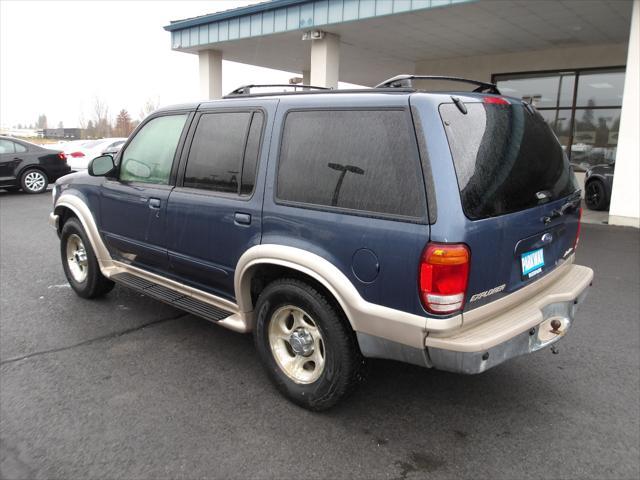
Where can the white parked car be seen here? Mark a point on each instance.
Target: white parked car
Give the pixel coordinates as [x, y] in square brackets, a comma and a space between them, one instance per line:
[80, 152]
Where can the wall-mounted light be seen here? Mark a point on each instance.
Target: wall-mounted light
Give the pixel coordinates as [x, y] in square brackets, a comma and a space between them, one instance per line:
[313, 35]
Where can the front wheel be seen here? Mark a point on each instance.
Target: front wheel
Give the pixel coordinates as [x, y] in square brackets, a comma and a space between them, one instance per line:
[308, 349]
[34, 181]
[80, 263]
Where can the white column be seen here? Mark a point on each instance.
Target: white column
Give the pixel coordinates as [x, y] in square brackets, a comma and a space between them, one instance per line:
[325, 61]
[210, 74]
[306, 77]
[625, 199]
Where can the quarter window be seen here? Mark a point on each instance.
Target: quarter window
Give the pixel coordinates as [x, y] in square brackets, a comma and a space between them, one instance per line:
[359, 160]
[224, 152]
[6, 146]
[149, 156]
[20, 148]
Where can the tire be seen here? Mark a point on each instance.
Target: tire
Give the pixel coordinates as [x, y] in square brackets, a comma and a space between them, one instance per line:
[33, 180]
[80, 263]
[317, 380]
[595, 195]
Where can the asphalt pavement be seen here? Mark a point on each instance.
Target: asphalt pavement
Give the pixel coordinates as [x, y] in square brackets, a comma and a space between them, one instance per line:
[127, 387]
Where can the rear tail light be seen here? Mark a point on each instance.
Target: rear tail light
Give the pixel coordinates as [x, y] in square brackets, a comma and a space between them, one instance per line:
[77, 154]
[444, 273]
[62, 156]
[577, 240]
[496, 100]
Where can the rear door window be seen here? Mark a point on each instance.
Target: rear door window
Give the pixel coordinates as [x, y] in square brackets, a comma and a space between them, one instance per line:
[506, 158]
[224, 152]
[361, 160]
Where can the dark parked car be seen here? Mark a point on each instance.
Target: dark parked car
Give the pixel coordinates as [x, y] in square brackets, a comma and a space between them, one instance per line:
[29, 167]
[437, 229]
[598, 184]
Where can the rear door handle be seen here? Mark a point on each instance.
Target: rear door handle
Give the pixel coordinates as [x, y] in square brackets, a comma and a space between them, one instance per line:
[154, 203]
[242, 218]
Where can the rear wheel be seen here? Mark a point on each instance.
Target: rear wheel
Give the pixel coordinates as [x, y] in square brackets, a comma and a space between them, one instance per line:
[80, 263]
[595, 195]
[308, 349]
[34, 181]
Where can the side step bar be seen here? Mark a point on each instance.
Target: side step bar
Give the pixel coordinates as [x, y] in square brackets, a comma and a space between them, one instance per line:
[167, 295]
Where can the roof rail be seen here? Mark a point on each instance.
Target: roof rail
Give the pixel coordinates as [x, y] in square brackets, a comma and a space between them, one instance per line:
[405, 81]
[246, 89]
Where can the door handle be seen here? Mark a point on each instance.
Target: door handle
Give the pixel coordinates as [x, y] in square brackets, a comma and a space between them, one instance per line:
[154, 203]
[242, 218]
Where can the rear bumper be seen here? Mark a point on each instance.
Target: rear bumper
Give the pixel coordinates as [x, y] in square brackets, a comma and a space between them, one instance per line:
[522, 329]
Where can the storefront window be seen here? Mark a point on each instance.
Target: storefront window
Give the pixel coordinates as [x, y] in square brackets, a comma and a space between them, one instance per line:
[541, 91]
[600, 89]
[595, 136]
[585, 121]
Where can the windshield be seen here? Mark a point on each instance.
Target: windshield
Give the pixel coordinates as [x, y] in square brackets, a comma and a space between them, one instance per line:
[506, 158]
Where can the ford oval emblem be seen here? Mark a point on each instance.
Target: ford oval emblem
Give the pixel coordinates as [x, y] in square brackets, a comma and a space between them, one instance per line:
[547, 238]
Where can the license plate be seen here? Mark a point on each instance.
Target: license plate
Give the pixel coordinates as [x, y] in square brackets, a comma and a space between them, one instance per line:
[532, 263]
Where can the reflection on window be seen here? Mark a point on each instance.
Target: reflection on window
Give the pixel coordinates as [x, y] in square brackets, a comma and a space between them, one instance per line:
[370, 152]
[595, 136]
[591, 135]
[600, 89]
[541, 91]
[560, 123]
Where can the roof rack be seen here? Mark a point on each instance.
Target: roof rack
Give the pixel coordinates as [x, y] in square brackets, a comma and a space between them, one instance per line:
[246, 89]
[405, 81]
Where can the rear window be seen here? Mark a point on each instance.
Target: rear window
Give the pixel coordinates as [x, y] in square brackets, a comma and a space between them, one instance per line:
[506, 158]
[362, 160]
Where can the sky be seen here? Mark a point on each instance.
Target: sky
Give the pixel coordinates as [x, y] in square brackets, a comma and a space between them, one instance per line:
[56, 57]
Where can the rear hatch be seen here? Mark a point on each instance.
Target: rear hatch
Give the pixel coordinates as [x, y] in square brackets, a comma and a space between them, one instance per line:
[517, 191]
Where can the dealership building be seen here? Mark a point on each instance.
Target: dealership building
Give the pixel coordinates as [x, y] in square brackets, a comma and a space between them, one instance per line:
[577, 61]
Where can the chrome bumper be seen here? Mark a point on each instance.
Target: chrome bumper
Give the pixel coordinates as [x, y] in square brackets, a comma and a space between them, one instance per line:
[53, 221]
[524, 329]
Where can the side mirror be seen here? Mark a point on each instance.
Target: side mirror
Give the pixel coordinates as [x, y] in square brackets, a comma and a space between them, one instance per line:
[101, 166]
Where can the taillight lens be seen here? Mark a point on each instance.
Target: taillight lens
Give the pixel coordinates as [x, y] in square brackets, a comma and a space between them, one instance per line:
[62, 156]
[575, 243]
[496, 100]
[444, 273]
[77, 154]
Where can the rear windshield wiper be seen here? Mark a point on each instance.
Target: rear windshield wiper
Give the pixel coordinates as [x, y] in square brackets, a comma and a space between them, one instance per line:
[573, 202]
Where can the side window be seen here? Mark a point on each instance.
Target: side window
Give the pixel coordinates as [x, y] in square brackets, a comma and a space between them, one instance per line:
[19, 148]
[149, 156]
[219, 146]
[360, 160]
[6, 146]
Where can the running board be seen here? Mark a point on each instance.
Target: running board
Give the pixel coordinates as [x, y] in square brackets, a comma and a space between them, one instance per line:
[172, 297]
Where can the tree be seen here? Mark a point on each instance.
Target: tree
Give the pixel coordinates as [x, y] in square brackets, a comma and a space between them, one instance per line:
[42, 121]
[123, 124]
[101, 119]
[60, 124]
[151, 105]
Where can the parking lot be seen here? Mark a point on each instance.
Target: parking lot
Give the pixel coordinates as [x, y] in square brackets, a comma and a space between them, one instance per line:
[126, 387]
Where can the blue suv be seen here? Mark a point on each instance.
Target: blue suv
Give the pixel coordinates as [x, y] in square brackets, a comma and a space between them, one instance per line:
[437, 229]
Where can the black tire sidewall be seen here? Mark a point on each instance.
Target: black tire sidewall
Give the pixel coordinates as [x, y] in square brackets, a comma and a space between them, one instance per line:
[24, 175]
[86, 288]
[602, 202]
[327, 390]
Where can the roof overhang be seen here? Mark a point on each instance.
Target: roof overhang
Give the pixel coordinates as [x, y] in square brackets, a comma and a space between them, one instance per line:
[380, 38]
